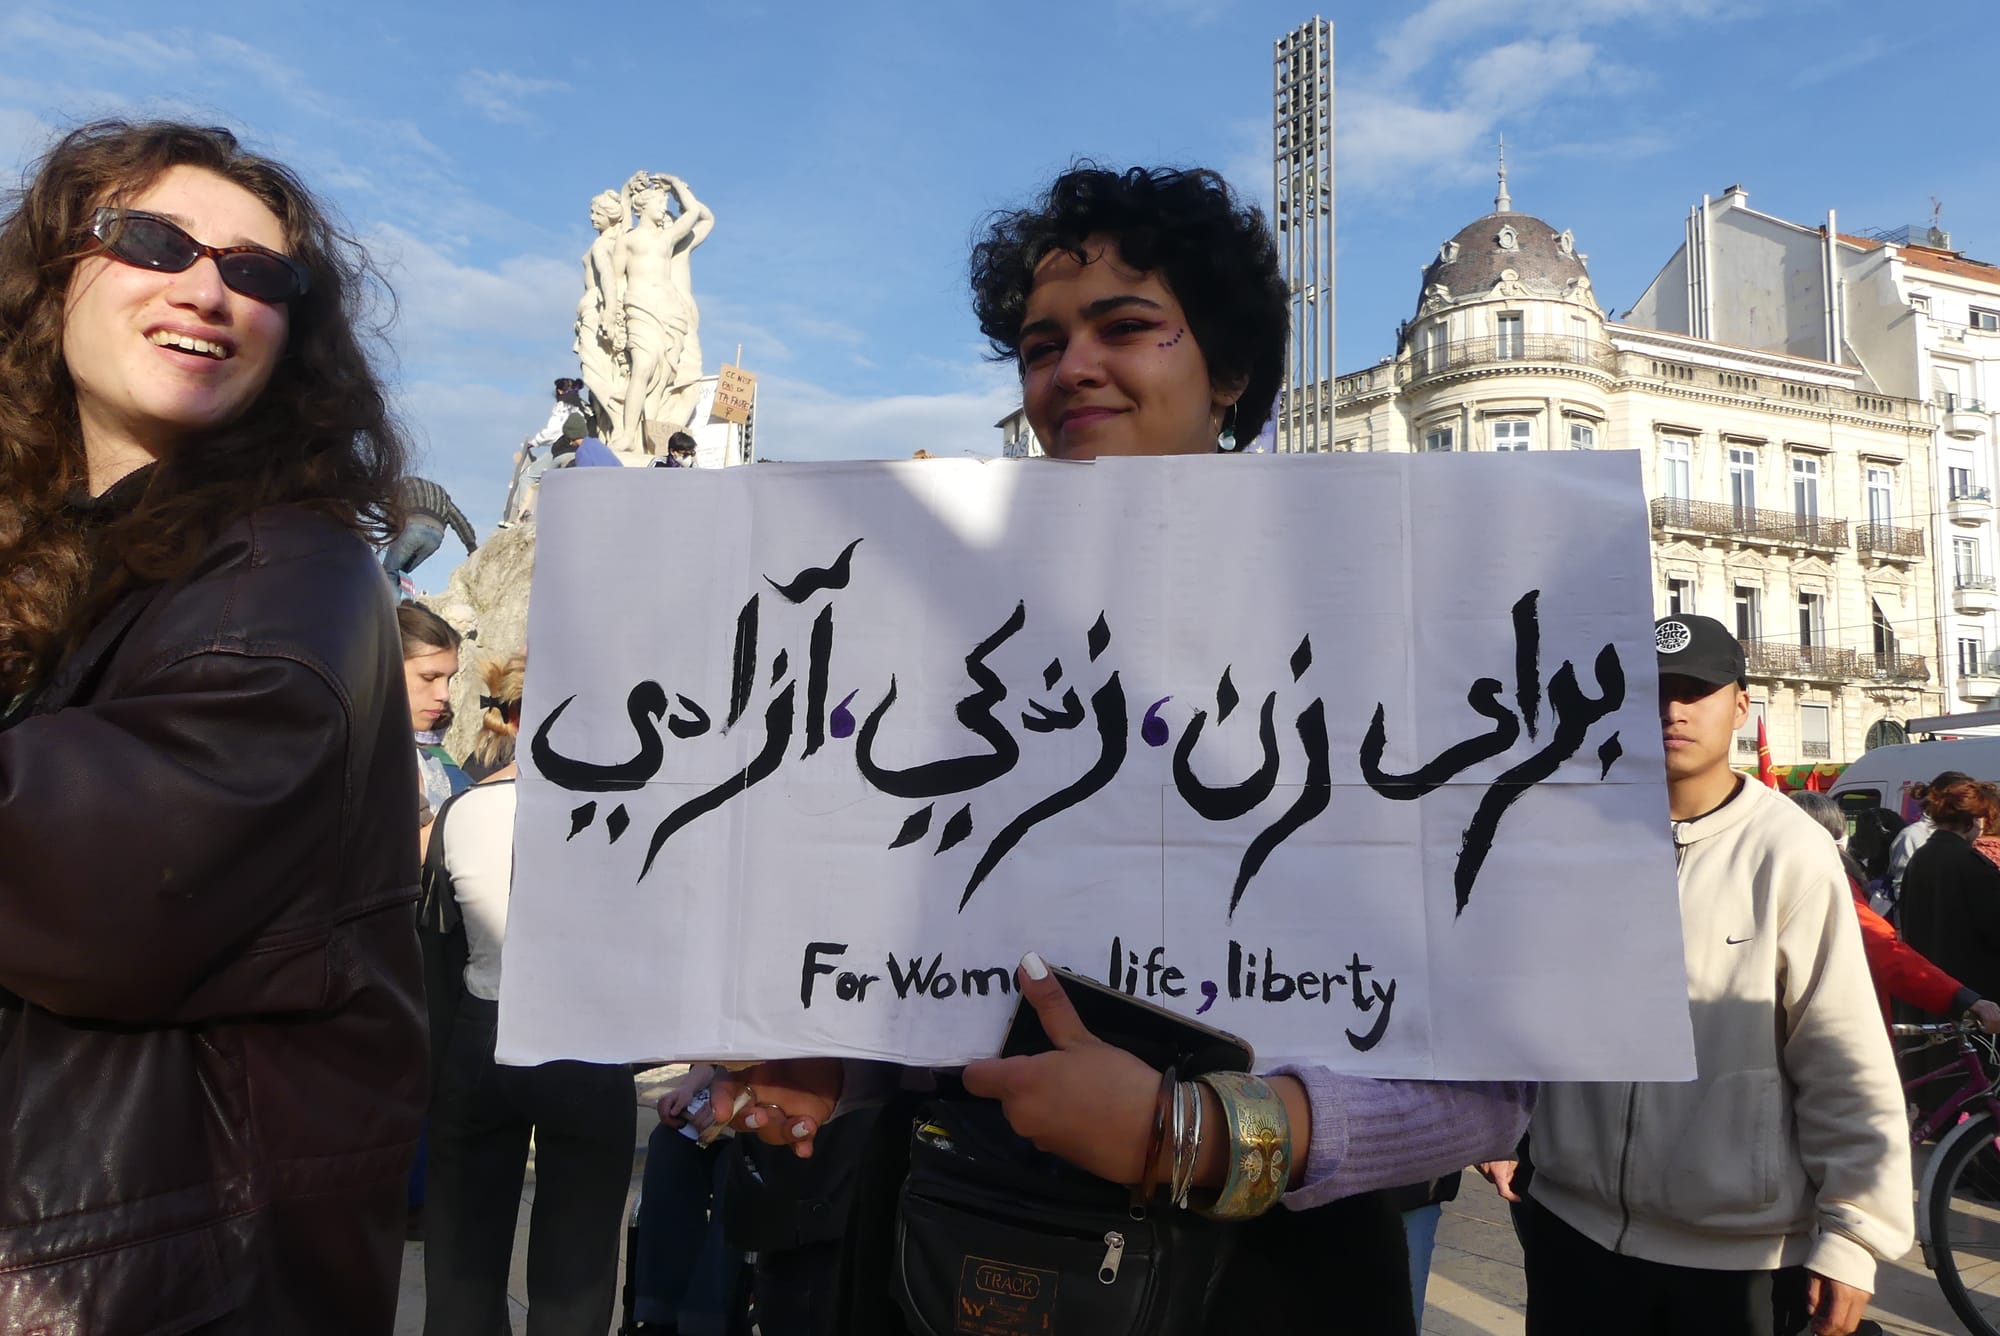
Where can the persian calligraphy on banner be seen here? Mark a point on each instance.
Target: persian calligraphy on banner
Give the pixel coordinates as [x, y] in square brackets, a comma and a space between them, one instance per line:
[1355, 756]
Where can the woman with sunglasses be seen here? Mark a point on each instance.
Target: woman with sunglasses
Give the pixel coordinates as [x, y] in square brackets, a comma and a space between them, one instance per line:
[211, 1039]
[1146, 315]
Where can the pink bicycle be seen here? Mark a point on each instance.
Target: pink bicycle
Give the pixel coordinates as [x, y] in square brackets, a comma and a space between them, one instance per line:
[1958, 1192]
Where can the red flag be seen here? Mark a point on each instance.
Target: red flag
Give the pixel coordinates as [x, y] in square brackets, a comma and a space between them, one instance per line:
[1765, 774]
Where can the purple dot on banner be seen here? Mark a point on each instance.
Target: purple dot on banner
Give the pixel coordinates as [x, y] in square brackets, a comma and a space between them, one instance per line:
[1207, 996]
[842, 722]
[1154, 729]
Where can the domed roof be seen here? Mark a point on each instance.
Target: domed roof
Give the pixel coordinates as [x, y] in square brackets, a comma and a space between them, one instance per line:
[1505, 246]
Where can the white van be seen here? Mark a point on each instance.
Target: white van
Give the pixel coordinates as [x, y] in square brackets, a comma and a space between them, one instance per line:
[1882, 778]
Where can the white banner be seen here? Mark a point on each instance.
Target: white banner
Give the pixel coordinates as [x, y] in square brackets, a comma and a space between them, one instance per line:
[1356, 756]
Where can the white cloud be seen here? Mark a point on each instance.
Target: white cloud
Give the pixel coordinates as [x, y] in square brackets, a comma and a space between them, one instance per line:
[768, 336]
[23, 136]
[1491, 82]
[1871, 49]
[29, 28]
[797, 420]
[287, 83]
[1434, 101]
[498, 95]
[1438, 25]
[465, 437]
[1246, 164]
[383, 164]
[523, 294]
[1390, 139]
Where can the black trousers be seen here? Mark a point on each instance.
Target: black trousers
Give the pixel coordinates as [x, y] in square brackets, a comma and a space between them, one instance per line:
[582, 1118]
[1341, 1267]
[1576, 1288]
[798, 1291]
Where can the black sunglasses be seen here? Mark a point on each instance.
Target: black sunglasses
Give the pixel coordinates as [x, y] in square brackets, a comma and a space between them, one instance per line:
[148, 241]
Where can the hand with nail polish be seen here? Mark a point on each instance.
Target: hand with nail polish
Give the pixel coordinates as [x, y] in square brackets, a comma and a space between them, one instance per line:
[788, 1100]
[1085, 1100]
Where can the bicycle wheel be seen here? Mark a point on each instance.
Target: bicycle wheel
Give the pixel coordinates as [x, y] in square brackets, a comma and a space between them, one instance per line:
[1963, 1209]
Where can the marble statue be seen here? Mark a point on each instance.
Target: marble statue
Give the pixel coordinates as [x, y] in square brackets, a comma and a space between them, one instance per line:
[653, 316]
[603, 369]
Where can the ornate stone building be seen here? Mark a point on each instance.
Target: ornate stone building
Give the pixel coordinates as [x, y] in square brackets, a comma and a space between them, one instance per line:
[1917, 320]
[1774, 481]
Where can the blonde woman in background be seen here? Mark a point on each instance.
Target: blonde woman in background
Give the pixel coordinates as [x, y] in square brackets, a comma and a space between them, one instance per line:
[482, 1116]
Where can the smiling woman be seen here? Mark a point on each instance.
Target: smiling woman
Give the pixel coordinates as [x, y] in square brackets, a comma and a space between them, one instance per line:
[1147, 315]
[211, 1046]
[1144, 310]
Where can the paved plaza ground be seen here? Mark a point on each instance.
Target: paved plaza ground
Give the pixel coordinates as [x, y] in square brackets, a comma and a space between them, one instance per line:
[1476, 1284]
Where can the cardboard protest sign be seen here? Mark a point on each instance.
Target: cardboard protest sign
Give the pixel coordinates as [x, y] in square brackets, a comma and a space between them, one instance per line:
[735, 394]
[1357, 757]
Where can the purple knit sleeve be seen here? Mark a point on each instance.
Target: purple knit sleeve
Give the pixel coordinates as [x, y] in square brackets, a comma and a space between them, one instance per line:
[1369, 1134]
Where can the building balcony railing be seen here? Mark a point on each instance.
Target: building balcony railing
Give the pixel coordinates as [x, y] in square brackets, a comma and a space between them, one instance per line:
[1959, 416]
[1888, 542]
[1375, 380]
[1892, 667]
[1768, 389]
[1746, 745]
[1775, 659]
[1973, 594]
[1778, 528]
[1970, 503]
[1508, 350]
[1772, 658]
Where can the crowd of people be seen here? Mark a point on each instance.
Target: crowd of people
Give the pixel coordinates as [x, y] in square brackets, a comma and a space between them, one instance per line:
[219, 800]
[573, 437]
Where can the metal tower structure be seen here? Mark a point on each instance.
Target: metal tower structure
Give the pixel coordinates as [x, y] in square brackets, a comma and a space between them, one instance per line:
[1302, 191]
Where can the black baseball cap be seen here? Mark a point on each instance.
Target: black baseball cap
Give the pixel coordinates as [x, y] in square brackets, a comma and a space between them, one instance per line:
[1698, 647]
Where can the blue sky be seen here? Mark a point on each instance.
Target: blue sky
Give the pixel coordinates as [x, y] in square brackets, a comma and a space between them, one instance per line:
[848, 151]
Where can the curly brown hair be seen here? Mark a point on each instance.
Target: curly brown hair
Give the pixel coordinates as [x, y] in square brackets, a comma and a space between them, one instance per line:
[1213, 251]
[321, 435]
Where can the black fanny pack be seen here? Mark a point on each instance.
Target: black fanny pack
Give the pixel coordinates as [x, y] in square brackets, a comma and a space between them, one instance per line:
[996, 1238]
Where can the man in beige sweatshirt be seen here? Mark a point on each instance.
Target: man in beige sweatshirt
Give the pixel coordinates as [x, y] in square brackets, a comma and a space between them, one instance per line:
[1756, 1199]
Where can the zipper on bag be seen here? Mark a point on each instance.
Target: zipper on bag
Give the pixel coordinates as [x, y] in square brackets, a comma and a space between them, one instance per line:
[1114, 1253]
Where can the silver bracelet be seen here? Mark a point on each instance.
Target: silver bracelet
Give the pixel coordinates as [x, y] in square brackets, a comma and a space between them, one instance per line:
[1179, 1132]
[1187, 1149]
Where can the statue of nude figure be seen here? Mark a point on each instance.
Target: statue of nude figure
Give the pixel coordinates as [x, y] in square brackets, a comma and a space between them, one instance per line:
[656, 312]
[603, 369]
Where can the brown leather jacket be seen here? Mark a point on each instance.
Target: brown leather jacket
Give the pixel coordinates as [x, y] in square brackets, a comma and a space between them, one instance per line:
[212, 1055]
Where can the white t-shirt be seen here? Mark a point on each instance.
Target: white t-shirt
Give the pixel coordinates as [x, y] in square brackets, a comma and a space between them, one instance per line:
[479, 856]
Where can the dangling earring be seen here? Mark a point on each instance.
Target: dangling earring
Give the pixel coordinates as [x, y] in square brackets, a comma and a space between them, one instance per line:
[1228, 441]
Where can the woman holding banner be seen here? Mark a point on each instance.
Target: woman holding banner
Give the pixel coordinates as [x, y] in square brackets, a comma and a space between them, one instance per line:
[211, 1030]
[1146, 314]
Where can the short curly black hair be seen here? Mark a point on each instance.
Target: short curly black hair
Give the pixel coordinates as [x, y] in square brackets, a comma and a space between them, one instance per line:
[1214, 253]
